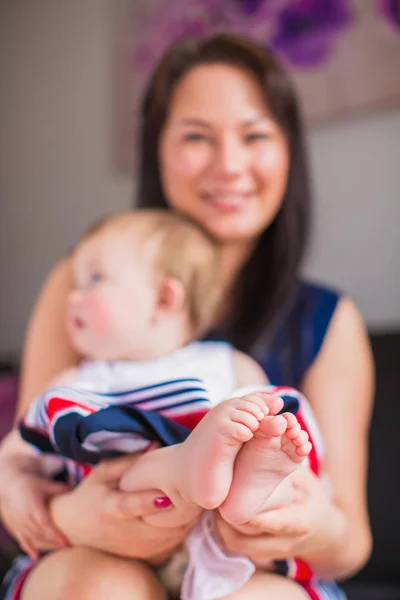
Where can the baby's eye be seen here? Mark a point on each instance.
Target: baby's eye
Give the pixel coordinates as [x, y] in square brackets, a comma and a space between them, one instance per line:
[96, 277]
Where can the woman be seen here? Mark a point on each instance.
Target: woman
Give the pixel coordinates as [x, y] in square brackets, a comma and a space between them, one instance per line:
[222, 143]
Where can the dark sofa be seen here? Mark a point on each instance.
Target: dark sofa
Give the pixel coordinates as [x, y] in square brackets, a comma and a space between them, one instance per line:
[380, 579]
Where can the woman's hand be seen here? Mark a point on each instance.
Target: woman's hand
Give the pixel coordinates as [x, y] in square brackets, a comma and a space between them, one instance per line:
[24, 496]
[97, 514]
[25, 512]
[304, 529]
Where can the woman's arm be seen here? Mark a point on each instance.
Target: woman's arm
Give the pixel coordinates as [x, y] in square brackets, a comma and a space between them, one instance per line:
[330, 532]
[47, 350]
[111, 520]
[94, 514]
[340, 389]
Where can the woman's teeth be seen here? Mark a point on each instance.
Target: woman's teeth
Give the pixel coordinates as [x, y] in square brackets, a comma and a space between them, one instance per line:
[232, 200]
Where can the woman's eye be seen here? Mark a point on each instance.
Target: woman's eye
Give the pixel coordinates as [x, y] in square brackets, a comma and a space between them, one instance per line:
[255, 137]
[195, 137]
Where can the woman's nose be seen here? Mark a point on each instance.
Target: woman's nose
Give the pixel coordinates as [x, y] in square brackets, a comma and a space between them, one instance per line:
[231, 156]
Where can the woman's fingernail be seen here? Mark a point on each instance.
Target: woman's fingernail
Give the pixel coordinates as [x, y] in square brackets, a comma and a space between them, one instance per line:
[162, 502]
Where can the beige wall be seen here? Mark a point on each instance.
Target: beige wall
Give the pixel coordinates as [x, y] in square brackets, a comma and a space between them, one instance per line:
[55, 144]
[56, 171]
[356, 172]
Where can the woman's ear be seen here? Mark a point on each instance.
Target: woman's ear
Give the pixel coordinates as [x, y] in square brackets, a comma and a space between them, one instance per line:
[171, 296]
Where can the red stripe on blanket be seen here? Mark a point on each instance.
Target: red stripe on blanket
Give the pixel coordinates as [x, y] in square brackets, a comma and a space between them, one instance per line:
[189, 420]
[16, 595]
[312, 457]
[303, 571]
[56, 405]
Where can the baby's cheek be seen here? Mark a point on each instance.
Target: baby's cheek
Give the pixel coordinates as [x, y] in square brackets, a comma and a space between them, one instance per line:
[100, 317]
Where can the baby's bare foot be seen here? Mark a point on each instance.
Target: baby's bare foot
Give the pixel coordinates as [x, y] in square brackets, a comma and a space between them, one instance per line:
[207, 456]
[276, 450]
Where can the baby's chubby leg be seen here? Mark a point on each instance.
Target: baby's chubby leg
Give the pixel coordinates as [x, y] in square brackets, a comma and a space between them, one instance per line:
[197, 474]
[158, 470]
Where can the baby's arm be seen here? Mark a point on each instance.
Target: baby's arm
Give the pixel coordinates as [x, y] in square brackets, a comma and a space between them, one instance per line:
[247, 370]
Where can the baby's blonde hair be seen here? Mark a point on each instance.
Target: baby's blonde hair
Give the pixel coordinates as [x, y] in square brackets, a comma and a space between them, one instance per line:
[183, 251]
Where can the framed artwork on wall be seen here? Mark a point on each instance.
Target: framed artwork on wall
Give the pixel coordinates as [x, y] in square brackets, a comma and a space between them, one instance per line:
[343, 55]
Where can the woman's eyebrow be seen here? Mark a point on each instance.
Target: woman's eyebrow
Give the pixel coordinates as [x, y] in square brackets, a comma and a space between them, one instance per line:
[261, 119]
[256, 121]
[197, 122]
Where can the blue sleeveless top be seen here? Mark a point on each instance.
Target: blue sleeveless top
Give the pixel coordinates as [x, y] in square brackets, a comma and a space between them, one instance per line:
[298, 335]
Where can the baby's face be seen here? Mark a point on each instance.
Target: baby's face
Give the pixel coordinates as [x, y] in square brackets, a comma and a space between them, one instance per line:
[111, 308]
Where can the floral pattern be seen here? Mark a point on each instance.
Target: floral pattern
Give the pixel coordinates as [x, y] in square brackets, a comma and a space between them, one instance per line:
[390, 10]
[307, 29]
[304, 33]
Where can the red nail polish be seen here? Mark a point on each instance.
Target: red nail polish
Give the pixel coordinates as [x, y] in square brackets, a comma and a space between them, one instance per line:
[162, 502]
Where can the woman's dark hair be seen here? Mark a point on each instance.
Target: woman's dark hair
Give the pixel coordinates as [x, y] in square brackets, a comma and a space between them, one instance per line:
[270, 276]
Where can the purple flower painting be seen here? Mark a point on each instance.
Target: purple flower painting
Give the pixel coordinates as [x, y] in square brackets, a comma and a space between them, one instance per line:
[305, 33]
[390, 10]
[252, 7]
[186, 18]
[307, 30]
[343, 54]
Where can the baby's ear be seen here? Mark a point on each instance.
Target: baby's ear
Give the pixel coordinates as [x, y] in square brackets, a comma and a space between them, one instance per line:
[171, 296]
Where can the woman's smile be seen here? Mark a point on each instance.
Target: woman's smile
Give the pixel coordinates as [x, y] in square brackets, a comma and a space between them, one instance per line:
[228, 201]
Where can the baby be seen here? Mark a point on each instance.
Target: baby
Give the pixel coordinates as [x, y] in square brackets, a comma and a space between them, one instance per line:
[146, 286]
